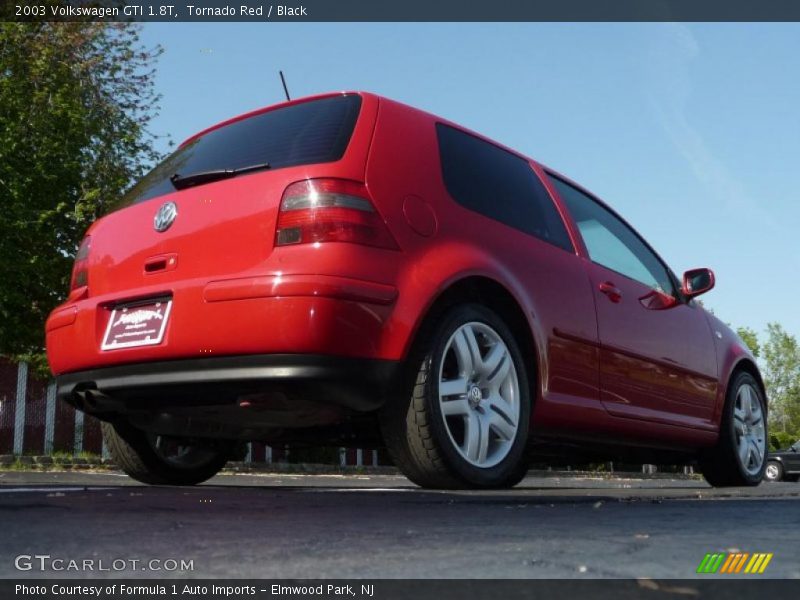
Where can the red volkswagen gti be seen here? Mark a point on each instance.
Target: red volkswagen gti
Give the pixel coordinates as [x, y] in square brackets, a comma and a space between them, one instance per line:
[347, 270]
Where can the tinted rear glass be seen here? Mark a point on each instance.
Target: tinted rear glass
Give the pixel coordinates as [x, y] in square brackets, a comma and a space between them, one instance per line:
[498, 184]
[311, 132]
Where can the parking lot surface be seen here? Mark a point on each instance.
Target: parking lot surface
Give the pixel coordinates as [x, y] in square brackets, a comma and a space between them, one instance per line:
[381, 526]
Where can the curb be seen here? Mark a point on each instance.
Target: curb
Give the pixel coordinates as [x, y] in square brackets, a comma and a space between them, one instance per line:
[66, 463]
[45, 463]
[307, 469]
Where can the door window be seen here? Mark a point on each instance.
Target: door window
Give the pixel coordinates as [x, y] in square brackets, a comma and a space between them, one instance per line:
[611, 243]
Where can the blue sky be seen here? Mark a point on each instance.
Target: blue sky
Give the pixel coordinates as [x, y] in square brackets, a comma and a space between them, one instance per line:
[691, 131]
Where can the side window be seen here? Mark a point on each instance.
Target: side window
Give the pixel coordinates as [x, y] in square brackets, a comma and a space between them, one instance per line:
[610, 242]
[498, 184]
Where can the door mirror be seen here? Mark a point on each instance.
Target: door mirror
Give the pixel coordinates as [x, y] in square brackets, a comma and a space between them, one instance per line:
[697, 281]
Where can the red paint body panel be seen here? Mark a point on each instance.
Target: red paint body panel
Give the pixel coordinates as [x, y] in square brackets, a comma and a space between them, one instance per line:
[656, 364]
[633, 369]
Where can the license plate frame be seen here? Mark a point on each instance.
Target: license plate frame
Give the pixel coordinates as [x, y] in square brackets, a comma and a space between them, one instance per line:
[137, 325]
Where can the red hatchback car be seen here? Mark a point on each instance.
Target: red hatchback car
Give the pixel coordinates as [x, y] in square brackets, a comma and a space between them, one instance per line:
[345, 269]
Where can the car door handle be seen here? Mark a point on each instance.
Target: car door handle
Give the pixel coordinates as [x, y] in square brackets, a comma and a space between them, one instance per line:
[610, 290]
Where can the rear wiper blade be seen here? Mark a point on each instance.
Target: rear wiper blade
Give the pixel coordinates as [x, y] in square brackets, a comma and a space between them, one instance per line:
[184, 181]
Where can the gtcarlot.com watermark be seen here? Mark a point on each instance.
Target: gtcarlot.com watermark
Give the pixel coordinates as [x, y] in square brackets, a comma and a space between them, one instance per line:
[48, 563]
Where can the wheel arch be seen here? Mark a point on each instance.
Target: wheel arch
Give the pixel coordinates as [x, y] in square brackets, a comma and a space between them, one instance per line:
[488, 292]
[746, 365]
[733, 360]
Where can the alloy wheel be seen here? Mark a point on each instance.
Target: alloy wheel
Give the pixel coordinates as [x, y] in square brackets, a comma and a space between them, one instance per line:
[748, 422]
[479, 394]
[773, 472]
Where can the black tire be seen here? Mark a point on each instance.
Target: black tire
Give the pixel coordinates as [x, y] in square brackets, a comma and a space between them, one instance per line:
[414, 427]
[721, 465]
[134, 452]
[774, 471]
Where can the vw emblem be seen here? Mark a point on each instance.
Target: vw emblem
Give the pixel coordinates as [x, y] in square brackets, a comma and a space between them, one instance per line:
[474, 396]
[165, 216]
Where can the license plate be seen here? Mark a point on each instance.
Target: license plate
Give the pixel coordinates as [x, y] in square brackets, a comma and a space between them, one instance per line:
[139, 325]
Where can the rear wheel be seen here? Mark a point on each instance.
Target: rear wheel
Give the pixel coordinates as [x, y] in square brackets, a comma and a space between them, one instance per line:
[774, 471]
[163, 460]
[462, 422]
[739, 457]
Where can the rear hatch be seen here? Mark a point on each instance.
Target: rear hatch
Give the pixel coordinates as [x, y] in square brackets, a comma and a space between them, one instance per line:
[225, 186]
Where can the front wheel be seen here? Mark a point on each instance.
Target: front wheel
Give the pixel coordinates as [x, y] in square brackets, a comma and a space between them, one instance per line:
[774, 471]
[463, 420]
[163, 460]
[740, 455]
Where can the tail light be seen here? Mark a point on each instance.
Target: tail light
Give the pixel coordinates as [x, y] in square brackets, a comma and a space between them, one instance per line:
[330, 210]
[80, 270]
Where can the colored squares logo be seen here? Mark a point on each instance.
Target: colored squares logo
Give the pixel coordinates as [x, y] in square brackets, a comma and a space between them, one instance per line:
[732, 563]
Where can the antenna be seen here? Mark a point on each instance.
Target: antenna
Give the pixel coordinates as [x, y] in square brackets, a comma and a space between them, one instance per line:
[285, 89]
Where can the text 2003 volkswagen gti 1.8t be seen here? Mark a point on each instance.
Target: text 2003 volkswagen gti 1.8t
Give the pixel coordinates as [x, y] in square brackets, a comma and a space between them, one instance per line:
[345, 270]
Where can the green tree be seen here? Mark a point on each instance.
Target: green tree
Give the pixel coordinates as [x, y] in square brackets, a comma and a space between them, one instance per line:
[76, 101]
[781, 354]
[750, 337]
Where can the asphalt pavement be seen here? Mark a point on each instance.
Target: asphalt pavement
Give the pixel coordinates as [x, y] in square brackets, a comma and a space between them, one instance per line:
[382, 526]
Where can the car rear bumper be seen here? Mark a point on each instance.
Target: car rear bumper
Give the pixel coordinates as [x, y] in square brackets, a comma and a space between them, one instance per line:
[264, 315]
[235, 381]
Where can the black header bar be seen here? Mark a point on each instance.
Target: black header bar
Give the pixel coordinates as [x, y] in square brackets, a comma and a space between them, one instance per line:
[401, 10]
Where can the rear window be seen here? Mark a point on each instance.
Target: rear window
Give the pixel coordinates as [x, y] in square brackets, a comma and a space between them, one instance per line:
[498, 184]
[311, 132]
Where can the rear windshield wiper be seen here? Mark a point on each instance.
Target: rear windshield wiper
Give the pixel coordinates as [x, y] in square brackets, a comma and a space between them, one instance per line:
[184, 181]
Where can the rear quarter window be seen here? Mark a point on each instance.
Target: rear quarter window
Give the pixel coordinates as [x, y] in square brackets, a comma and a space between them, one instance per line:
[317, 131]
[498, 184]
